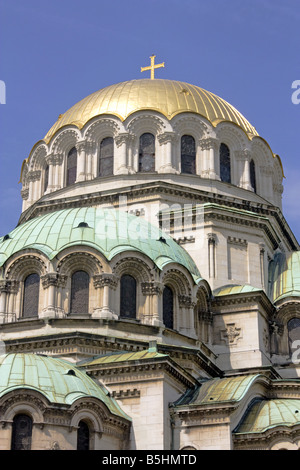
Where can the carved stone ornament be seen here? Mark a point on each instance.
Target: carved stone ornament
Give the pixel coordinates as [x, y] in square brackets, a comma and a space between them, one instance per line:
[231, 334]
[105, 279]
[151, 288]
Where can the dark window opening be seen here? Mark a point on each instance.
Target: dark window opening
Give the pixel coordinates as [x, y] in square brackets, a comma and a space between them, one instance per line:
[71, 166]
[31, 296]
[253, 175]
[168, 307]
[46, 178]
[21, 432]
[225, 164]
[106, 157]
[188, 155]
[147, 153]
[128, 297]
[83, 436]
[80, 292]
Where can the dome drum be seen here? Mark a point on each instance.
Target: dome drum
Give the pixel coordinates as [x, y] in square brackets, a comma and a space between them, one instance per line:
[107, 131]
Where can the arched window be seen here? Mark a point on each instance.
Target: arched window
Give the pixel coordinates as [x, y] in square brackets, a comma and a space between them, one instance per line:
[293, 333]
[168, 307]
[253, 175]
[83, 436]
[225, 165]
[106, 157]
[46, 178]
[188, 155]
[128, 297]
[147, 153]
[21, 432]
[71, 166]
[80, 292]
[31, 296]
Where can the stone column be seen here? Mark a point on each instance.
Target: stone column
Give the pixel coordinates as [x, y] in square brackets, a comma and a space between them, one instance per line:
[12, 290]
[81, 160]
[3, 295]
[89, 153]
[209, 146]
[167, 139]
[25, 196]
[153, 292]
[61, 284]
[187, 306]
[57, 162]
[266, 173]
[106, 282]
[211, 255]
[32, 178]
[244, 158]
[50, 162]
[122, 141]
[50, 283]
[262, 264]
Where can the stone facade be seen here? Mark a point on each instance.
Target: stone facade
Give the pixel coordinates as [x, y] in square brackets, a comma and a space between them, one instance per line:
[231, 317]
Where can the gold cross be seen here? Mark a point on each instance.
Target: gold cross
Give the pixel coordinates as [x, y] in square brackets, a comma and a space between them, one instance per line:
[152, 67]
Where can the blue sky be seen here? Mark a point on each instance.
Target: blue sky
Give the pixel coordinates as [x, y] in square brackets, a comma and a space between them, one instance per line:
[54, 53]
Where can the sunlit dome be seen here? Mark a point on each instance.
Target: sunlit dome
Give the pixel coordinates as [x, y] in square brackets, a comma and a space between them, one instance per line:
[168, 97]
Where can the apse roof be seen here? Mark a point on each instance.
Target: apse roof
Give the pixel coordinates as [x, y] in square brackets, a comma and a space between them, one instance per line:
[284, 276]
[168, 97]
[58, 380]
[229, 389]
[266, 414]
[108, 231]
[234, 289]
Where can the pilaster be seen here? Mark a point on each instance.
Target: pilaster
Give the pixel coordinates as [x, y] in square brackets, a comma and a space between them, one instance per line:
[105, 283]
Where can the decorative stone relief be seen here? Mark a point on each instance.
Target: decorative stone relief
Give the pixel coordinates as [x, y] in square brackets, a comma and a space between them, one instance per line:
[231, 334]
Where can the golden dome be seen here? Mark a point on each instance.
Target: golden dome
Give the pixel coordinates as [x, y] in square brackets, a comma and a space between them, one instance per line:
[168, 97]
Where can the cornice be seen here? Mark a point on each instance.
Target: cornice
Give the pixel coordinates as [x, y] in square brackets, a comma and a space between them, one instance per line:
[219, 206]
[258, 297]
[263, 439]
[117, 372]
[87, 344]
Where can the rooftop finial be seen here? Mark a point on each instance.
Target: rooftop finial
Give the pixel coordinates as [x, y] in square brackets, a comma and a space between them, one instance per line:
[153, 66]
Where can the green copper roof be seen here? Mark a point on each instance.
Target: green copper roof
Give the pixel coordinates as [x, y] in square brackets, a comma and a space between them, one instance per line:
[107, 230]
[234, 289]
[125, 357]
[266, 414]
[284, 276]
[229, 389]
[58, 380]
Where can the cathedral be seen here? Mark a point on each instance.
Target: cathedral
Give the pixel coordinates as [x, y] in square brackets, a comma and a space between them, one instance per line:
[150, 293]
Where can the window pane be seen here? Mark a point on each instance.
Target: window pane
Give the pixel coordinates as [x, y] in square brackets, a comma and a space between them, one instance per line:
[71, 166]
[83, 436]
[128, 297]
[252, 175]
[293, 332]
[188, 155]
[168, 307]
[225, 167]
[106, 159]
[21, 432]
[31, 296]
[46, 178]
[80, 292]
[147, 153]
